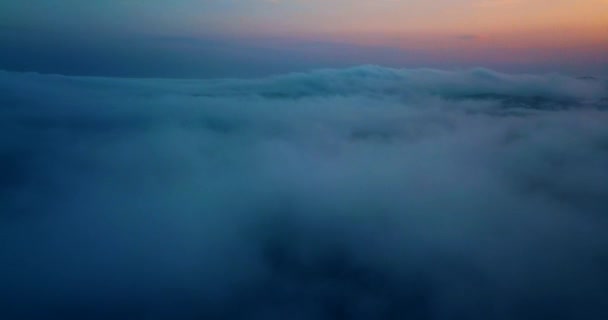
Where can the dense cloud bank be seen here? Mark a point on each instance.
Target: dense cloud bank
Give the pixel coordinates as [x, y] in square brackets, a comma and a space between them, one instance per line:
[365, 193]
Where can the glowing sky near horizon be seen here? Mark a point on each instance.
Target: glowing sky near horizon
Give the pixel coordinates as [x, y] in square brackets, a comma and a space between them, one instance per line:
[487, 31]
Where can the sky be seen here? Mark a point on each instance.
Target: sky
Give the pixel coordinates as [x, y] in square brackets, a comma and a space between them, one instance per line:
[215, 38]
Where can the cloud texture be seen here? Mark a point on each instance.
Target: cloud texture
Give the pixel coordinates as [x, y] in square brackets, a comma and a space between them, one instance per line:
[364, 193]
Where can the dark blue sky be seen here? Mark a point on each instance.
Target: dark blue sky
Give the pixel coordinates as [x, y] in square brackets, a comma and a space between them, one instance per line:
[243, 38]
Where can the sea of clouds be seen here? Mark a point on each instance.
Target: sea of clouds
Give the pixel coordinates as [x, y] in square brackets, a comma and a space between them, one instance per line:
[363, 193]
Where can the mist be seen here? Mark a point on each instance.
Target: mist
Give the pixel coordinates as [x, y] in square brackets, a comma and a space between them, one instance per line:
[361, 193]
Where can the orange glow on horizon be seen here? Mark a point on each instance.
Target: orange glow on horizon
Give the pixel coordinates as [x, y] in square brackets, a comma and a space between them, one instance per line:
[471, 31]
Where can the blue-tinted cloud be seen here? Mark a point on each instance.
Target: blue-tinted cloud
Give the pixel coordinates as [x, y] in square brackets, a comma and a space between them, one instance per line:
[365, 193]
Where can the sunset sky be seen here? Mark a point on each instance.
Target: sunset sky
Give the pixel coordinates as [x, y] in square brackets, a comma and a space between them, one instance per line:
[234, 37]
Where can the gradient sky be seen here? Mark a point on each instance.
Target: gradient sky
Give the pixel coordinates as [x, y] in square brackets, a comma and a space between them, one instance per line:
[207, 38]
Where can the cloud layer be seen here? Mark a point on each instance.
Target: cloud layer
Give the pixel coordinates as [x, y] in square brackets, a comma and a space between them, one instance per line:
[364, 193]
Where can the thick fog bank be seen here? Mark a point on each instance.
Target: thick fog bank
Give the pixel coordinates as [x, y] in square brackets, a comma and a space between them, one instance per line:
[364, 193]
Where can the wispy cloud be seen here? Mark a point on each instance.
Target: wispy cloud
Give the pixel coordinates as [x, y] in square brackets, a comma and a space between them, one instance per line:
[498, 3]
